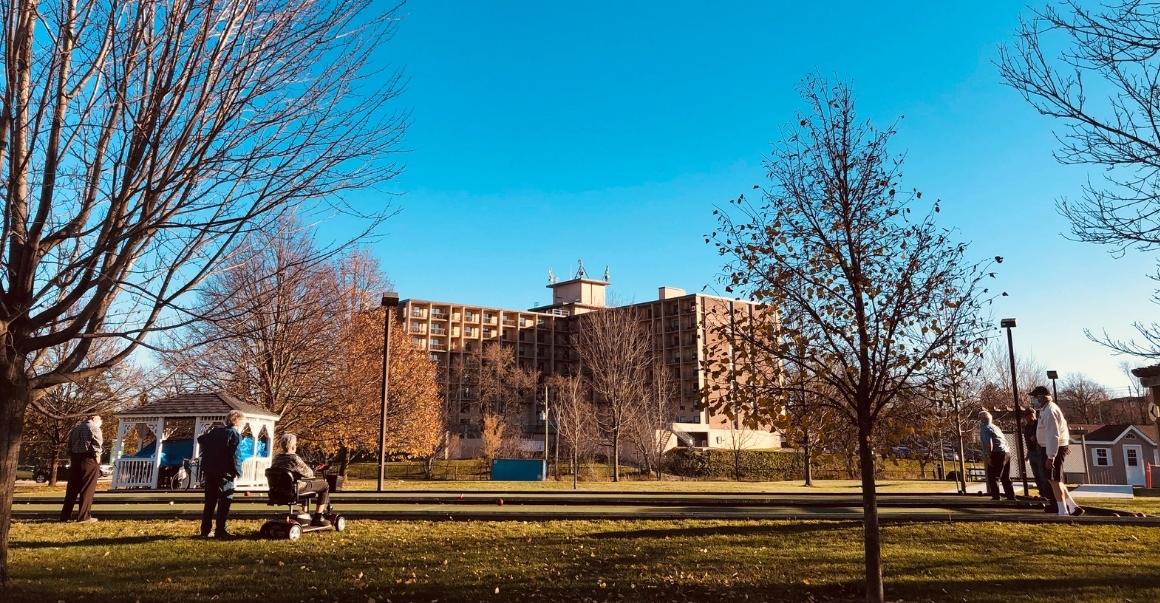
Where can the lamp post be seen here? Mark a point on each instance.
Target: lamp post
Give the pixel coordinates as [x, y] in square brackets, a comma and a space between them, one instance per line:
[390, 300]
[1009, 323]
[545, 417]
[1053, 376]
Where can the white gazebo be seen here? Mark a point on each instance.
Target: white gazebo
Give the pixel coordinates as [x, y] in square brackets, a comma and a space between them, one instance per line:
[206, 410]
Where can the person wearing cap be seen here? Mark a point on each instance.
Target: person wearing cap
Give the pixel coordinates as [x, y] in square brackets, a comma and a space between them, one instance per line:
[998, 455]
[1054, 436]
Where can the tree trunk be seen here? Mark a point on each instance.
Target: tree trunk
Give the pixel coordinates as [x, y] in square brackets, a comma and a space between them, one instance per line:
[14, 398]
[343, 460]
[429, 467]
[807, 470]
[872, 544]
[575, 468]
[616, 454]
[54, 466]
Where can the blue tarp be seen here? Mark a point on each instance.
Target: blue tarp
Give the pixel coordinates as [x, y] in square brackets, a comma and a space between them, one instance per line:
[173, 452]
[518, 470]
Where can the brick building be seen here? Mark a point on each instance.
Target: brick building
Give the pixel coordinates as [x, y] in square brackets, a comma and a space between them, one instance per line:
[544, 338]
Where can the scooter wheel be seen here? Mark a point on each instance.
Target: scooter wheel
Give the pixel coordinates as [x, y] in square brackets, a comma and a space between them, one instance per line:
[339, 523]
[294, 533]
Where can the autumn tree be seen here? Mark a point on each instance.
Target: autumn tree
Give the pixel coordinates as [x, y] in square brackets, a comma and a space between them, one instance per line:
[862, 282]
[507, 395]
[414, 426]
[808, 425]
[617, 355]
[345, 419]
[140, 141]
[574, 410]
[1094, 69]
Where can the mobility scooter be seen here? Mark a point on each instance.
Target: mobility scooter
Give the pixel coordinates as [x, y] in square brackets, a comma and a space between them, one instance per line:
[286, 489]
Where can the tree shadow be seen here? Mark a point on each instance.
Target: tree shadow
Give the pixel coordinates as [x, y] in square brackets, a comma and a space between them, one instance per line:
[104, 541]
[729, 530]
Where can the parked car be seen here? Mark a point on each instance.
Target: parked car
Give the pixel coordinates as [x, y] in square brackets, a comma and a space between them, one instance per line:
[42, 473]
[106, 470]
[25, 471]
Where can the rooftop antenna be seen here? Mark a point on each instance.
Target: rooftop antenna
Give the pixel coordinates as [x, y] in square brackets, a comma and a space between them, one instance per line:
[606, 279]
[580, 273]
[552, 280]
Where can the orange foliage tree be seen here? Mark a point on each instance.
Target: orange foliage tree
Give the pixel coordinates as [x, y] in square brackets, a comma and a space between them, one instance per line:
[354, 402]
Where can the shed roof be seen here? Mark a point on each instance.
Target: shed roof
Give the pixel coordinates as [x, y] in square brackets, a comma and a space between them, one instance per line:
[1111, 433]
[197, 404]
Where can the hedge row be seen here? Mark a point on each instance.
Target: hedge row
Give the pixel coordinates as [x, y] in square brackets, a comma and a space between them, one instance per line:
[718, 463]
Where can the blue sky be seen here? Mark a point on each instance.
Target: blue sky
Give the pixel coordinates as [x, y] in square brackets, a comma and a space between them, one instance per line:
[544, 132]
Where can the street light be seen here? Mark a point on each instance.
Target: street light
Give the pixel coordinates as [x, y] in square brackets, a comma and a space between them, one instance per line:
[1009, 323]
[1053, 376]
[390, 300]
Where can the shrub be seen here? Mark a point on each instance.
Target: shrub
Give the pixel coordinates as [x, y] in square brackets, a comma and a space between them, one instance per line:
[718, 463]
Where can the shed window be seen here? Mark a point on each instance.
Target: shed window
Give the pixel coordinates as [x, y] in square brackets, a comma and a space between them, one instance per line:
[1100, 457]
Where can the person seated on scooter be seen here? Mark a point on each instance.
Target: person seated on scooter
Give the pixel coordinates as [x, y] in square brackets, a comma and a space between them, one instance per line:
[290, 461]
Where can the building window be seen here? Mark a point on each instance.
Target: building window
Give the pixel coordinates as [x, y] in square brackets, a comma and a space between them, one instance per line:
[1100, 457]
[1132, 456]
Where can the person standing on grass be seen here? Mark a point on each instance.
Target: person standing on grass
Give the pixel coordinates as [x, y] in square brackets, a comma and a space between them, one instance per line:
[1054, 436]
[1035, 455]
[998, 456]
[221, 465]
[85, 444]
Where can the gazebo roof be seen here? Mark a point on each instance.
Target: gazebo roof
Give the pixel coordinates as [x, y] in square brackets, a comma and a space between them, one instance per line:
[197, 404]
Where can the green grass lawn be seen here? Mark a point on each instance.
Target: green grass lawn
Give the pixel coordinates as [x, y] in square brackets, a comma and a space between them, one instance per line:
[582, 560]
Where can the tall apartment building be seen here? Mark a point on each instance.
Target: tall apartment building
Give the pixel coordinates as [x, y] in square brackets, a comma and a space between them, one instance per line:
[544, 338]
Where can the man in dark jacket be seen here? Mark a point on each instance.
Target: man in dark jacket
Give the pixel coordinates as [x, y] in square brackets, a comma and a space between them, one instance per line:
[221, 465]
[84, 447]
[1035, 457]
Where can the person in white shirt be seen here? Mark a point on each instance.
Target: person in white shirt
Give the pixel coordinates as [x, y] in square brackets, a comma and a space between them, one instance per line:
[1053, 435]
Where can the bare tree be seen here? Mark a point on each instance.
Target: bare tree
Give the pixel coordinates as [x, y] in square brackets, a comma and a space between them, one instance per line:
[996, 370]
[616, 352]
[1082, 399]
[1095, 70]
[1134, 407]
[269, 327]
[54, 414]
[652, 428]
[872, 294]
[574, 424]
[140, 141]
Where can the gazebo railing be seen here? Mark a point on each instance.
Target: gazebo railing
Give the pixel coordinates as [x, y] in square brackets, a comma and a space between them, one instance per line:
[133, 473]
[253, 475]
